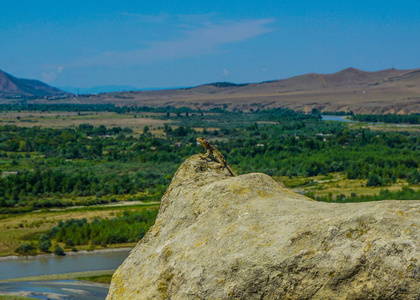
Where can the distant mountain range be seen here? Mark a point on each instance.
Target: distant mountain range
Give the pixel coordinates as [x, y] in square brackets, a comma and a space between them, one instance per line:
[387, 91]
[12, 87]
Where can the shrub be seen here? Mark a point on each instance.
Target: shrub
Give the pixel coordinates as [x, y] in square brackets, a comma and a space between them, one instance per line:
[44, 246]
[58, 250]
[26, 249]
[69, 243]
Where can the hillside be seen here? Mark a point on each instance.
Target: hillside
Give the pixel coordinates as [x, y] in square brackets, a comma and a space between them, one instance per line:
[387, 91]
[12, 87]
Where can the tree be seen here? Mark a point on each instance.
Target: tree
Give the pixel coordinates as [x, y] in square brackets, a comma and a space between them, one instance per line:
[127, 130]
[167, 129]
[413, 177]
[374, 180]
[101, 130]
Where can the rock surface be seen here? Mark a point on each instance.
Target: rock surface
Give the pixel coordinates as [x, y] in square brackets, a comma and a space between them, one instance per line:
[247, 237]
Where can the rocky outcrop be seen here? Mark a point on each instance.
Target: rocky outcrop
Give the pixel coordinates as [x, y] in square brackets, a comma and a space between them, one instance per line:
[247, 237]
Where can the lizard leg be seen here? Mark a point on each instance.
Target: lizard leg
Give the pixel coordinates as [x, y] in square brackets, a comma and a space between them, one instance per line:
[205, 155]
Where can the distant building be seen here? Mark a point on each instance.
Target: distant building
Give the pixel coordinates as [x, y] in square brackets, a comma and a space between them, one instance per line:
[179, 145]
[5, 174]
[260, 145]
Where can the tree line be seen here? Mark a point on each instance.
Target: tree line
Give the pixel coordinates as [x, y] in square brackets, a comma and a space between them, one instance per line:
[388, 118]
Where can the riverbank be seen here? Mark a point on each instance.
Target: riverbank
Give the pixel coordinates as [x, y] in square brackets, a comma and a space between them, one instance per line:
[81, 252]
[109, 205]
[65, 276]
[14, 297]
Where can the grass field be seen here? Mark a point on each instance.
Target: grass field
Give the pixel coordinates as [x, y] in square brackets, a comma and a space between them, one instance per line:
[56, 119]
[135, 121]
[105, 278]
[336, 184]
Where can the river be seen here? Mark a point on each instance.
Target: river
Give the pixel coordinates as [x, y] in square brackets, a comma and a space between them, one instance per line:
[59, 289]
[37, 266]
[334, 118]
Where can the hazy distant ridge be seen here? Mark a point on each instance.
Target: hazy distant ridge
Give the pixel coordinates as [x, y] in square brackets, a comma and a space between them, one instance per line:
[387, 91]
[99, 89]
[12, 87]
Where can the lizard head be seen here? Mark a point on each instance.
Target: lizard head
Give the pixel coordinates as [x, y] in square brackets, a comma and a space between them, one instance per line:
[203, 142]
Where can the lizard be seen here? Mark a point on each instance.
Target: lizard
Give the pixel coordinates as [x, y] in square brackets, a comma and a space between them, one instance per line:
[211, 150]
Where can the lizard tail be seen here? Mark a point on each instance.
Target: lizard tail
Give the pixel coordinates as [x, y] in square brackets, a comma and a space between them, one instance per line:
[231, 171]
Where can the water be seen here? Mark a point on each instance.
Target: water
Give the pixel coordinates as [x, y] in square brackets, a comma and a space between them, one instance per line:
[64, 264]
[60, 289]
[334, 118]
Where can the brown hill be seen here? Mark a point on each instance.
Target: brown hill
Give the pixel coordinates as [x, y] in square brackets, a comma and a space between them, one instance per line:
[386, 91]
[12, 87]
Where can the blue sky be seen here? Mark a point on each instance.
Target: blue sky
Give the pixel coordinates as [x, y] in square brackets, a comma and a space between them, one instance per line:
[185, 43]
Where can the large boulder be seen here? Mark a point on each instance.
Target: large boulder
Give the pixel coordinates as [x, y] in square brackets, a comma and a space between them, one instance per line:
[247, 237]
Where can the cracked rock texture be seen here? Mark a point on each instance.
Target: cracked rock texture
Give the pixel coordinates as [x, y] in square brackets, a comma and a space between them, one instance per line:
[247, 237]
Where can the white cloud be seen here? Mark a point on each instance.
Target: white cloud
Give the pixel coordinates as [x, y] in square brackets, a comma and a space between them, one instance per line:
[202, 40]
[50, 76]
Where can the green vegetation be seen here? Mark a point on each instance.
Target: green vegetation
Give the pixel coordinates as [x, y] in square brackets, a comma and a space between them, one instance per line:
[45, 243]
[88, 165]
[405, 194]
[54, 164]
[26, 249]
[388, 118]
[59, 251]
[32, 227]
[106, 279]
[126, 227]
[85, 108]
[61, 167]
